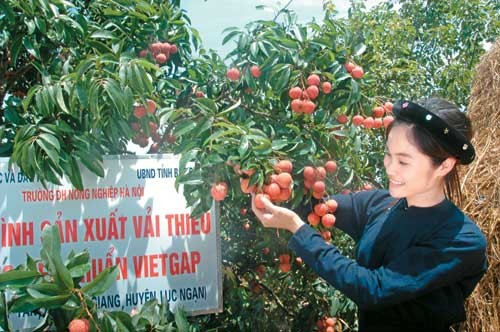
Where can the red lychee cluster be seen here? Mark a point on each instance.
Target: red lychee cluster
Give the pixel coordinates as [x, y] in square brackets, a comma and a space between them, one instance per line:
[314, 178]
[326, 324]
[260, 270]
[160, 51]
[199, 94]
[141, 110]
[323, 211]
[278, 187]
[378, 119]
[285, 262]
[142, 135]
[355, 70]
[79, 325]
[255, 71]
[233, 74]
[302, 99]
[219, 191]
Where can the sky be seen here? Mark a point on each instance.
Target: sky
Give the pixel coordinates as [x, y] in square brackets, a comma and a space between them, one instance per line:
[211, 17]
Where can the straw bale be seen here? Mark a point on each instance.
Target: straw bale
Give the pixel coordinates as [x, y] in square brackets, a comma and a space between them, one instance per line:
[481, 189]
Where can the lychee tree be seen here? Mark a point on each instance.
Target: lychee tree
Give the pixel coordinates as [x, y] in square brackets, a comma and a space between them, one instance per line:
[73, 71]
[282, 107]
[424, 48]
[307, 94]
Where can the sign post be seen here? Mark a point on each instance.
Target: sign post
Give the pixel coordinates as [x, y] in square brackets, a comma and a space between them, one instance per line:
[132, 217]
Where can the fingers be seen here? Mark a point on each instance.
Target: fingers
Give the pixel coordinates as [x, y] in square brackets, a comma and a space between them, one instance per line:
[265, 215]
[268, 206]
[274, 216]
[253, 201]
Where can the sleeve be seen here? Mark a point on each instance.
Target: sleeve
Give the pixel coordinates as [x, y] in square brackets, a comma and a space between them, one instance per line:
[356, 209]
[416, 271]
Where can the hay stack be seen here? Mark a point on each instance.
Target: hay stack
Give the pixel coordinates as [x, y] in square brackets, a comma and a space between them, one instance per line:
[481, 189]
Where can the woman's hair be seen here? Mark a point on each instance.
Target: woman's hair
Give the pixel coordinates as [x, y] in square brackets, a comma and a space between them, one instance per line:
[429, 146]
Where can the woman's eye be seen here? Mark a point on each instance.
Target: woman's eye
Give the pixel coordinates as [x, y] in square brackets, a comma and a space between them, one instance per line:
[403, 163]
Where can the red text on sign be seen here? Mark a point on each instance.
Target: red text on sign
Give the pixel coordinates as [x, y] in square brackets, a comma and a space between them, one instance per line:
[183, 224]
[156, 265]
[17, 234]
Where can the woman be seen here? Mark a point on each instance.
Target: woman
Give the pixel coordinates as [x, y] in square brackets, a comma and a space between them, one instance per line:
[418, 256]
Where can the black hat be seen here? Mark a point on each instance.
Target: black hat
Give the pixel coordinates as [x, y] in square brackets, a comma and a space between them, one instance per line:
[453, 141]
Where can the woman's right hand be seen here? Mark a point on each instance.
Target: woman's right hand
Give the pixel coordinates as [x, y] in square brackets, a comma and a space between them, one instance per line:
[273, 216]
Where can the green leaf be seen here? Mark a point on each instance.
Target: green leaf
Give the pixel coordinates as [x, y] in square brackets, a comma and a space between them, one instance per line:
[187, 157]
[280, 76]
[254, 49]
[191, 180]
[45, 289]
[243, 42]
[51, 152]
[30, 47]
[83, 67]
[4, 314]
[349, 179]
[229, 29]
[212, 159]
[115, 93]
[60, 99]
[123, 321]
[204, 125]
[230, 36]
[15, 49]
[181, 320]
[148, 310]
[17, 278]
[230, 108]
[184, 127]
[244, 146]
[51, 255]
[102, 34]
[40, 23]
[31, 264]
[102, 282]
[106, 323]
[42, 324]
[50, 139]
[48, 302]
[206, 104]
[355, 94]
[72, 170]
[30, 24]
[359, 49]
[299, 33]
[279, 144]
[79, 264]
[283, 79]
[12, 116]
[92, 162]
[23, 304]
[221, 133]
[263, 149]
[263, 49]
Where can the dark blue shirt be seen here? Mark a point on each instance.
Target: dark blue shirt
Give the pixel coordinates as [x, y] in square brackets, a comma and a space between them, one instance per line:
[414, 266]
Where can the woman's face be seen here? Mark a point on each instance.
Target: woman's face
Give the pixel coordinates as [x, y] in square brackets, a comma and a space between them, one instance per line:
[411, 173]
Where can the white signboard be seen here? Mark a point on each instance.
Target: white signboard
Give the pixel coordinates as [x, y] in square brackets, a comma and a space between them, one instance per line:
[133, 218]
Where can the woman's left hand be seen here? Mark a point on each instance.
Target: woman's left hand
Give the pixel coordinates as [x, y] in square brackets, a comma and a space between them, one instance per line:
[273, 216]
